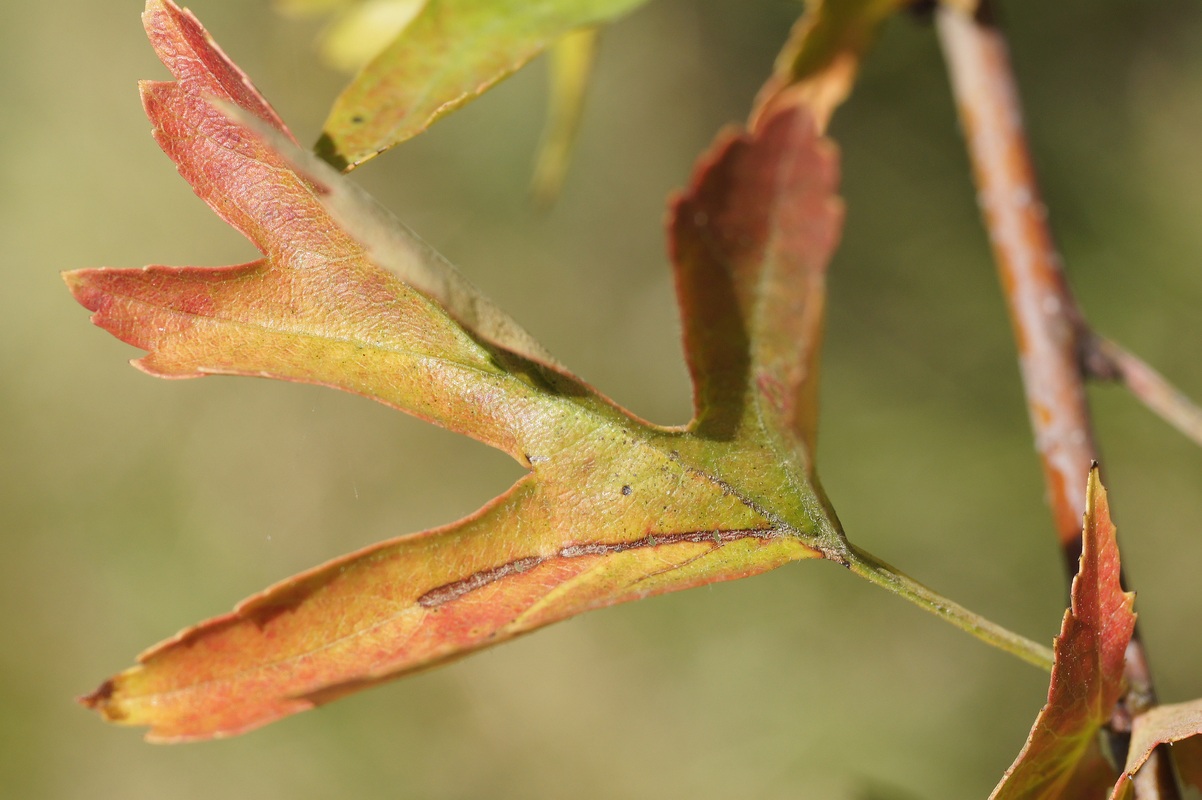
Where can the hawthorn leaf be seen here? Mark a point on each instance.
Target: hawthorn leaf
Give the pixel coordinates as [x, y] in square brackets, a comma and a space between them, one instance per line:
[1062, 758]
[823, 52]
[612, 508]
[449, 54]
[1167, 724]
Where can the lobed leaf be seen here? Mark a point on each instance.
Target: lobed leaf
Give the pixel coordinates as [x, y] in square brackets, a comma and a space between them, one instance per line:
[613, 508]
[449, 54]
[1061, 758]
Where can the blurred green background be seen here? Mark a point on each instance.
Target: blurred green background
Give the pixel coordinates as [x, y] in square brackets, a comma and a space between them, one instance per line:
[133, 507]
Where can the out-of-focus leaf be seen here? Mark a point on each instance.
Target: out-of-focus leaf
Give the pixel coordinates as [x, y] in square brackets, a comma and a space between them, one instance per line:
[451, 53]
[823, 52]
[1157, 726]
[572, 59]
[310, 8]
[363, 31]
[1061, 758]
[613, 508]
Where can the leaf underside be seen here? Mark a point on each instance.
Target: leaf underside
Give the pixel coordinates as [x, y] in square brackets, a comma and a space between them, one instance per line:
[612, 508]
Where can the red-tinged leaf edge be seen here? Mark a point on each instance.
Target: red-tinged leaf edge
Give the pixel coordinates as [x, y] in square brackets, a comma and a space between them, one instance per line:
[200, 66]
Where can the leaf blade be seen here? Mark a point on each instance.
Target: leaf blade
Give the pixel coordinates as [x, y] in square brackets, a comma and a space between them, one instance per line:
[316, 308]
[757, 229]
[561, 542]
[613, 509]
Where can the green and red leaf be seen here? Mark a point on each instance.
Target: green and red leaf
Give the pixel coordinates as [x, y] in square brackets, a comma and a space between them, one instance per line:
[1062, 757]
[317, 307]
[532, 557]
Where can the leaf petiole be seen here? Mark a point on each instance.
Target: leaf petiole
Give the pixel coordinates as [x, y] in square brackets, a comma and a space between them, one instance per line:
[871, 568]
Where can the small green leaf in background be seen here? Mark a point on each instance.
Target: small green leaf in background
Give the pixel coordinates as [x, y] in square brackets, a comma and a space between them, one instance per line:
[449, 54]
[1062, 757]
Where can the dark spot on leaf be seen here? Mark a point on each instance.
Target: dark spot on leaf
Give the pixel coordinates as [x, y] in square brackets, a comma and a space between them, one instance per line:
[626, 490]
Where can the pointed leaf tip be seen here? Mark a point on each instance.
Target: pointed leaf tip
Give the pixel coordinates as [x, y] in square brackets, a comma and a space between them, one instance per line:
[1061, 757]
[198, 64]
[822, 56]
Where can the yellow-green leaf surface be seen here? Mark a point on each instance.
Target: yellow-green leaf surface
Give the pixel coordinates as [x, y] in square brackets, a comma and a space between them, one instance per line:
[1061, 758]
[824, 50]
[612, 508]
[450, 53]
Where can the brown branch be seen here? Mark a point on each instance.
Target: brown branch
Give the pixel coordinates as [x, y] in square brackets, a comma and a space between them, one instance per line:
[1048, 325]
[1042, 309]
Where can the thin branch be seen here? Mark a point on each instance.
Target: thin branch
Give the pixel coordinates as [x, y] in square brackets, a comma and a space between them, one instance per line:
[1048, 325]
[1042, 309]
[1109, 361]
